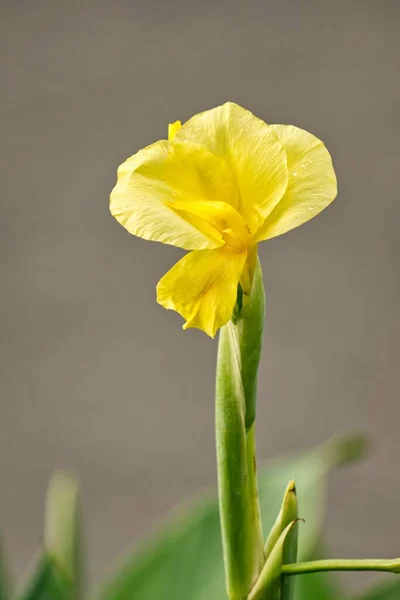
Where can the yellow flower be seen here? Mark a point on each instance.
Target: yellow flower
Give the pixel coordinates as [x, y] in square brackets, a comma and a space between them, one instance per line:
[222, 183]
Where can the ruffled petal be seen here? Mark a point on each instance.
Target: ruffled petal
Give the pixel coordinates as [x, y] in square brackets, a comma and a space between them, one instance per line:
[251, 149]
[312, 182]
[202, 287]
[151, 181]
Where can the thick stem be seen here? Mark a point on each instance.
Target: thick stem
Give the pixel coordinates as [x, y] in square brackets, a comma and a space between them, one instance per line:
[237, 363]
[253, 486]
[303, 568]
[240, 539]
[249, 332]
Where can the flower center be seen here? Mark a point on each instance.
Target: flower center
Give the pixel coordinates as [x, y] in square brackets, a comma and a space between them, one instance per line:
[219, 221]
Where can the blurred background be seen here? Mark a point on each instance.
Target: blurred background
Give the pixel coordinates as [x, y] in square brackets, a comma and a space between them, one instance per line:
[95, 376]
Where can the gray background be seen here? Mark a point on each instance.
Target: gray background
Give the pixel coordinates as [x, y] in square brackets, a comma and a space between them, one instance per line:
[96, 377]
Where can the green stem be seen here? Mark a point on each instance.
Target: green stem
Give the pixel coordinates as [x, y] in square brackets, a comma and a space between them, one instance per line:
[239, 352]
[239, 530]
[253, 488]
[389, 566]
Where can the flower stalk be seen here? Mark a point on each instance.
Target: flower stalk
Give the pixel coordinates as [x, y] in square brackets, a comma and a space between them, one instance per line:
[239, 352]
[318, 566]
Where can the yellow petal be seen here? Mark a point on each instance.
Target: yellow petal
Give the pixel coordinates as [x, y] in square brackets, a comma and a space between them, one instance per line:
[251, 149]
[312, 182]
[173, 128]
[149, 182]
[202, 287]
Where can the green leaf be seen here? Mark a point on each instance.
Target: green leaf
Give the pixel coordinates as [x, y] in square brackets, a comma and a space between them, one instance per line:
[56, 575]
[62, 530]
[4, 580]
[318, 586]
[387, 591]
[184, 561]
[309, 470]
[47, 582]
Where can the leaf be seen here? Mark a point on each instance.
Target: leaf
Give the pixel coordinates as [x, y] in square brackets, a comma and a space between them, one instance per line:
[317, 586]
[62, 529]
[387, 591]
[309, 470]
[46, 582]
[184, 561]
[56, 575]
[4, 580]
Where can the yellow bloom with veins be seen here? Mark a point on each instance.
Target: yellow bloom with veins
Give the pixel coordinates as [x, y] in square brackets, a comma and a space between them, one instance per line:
[223, 182]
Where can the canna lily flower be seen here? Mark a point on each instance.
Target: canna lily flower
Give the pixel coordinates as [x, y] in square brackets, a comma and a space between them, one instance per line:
[223, 182]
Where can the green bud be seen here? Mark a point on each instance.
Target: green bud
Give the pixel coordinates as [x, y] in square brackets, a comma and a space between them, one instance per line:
[269, 583]
[249, 325]
[288, 514]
